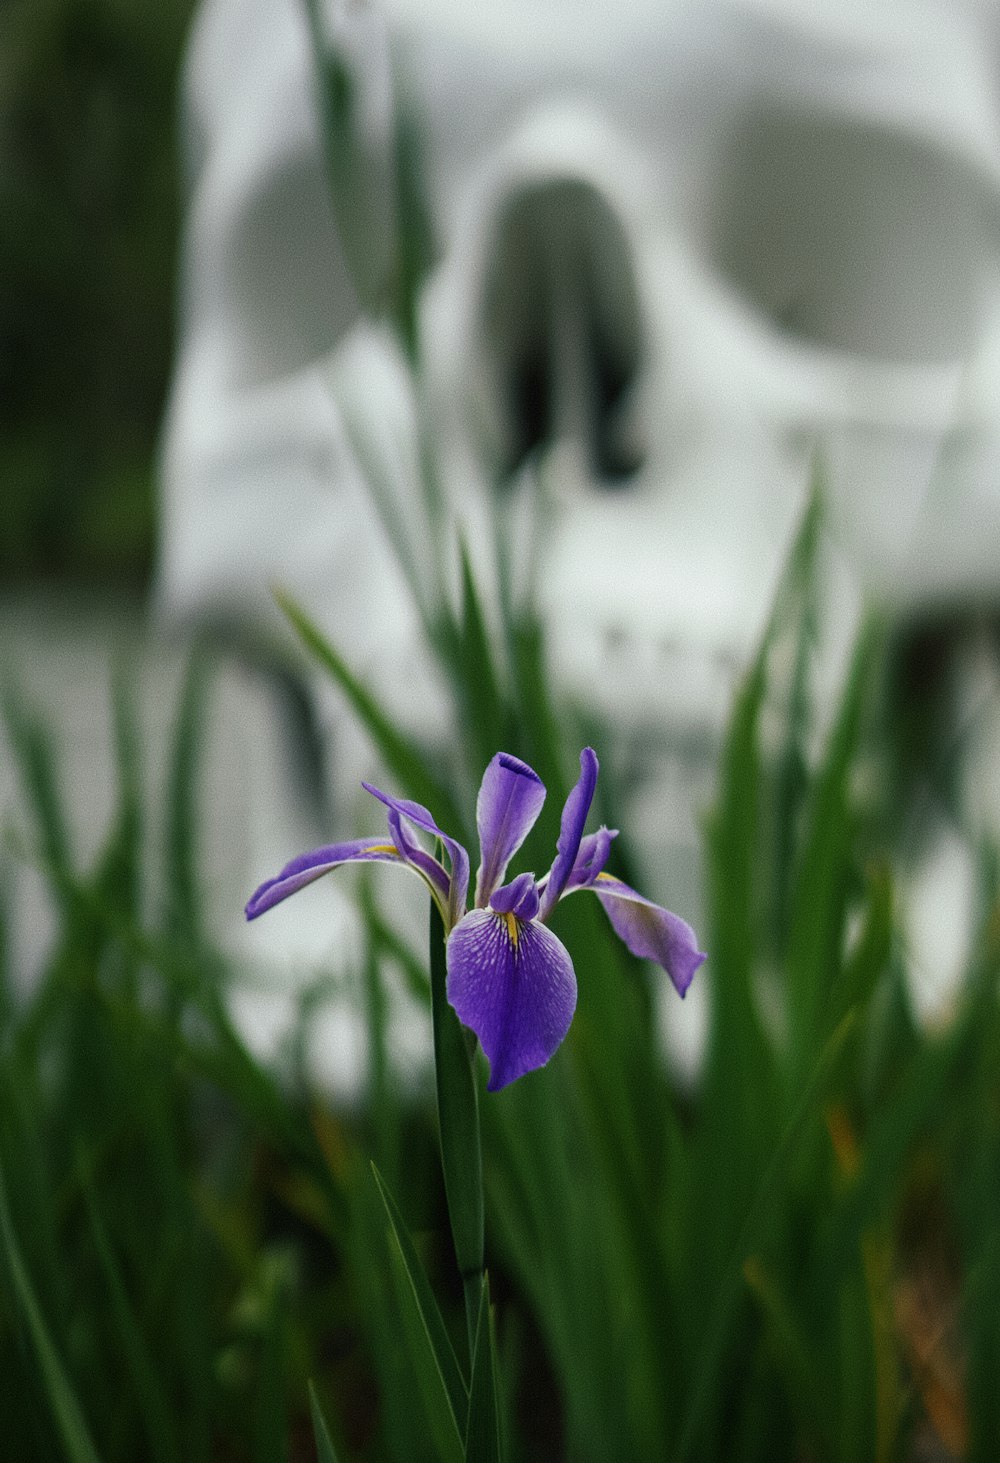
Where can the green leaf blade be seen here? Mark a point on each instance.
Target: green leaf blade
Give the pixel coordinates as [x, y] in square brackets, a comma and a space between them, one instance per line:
[62, 1400]
[437, 1339]
[325, 1451]
[403, 758]
[482, 1435]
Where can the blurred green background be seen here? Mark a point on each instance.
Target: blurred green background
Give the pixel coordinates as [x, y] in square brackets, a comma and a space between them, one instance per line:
[89, 215]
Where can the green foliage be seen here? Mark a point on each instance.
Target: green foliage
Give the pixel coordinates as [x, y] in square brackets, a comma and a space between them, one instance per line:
[718, 1273]
[165, 1194]
[325, 1452]
[59, 1394]
[482, 1434]
[404, 757]
[683, 1274]
[442, 1386]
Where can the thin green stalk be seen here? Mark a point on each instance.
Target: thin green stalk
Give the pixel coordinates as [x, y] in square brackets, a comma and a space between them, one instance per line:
[458, 1120]
[732, 1277]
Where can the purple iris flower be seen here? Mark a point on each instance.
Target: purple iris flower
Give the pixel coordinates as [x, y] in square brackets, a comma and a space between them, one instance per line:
[509, 978]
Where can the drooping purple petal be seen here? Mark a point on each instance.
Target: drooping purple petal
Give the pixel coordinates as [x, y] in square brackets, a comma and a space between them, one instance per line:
[513, 983]
[519, 897]
[574, 817]
[309, 866]
[458, 858]
[650, 931]
[510, 798]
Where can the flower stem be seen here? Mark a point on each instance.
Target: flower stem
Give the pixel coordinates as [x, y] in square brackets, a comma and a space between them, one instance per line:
[458, 1121]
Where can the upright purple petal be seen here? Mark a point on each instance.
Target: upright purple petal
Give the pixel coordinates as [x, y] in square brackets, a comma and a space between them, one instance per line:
[512, 982]
[510, 798]
[457, 856]
[574, 817]
[309, 866]
[649, 931]
[519, 897]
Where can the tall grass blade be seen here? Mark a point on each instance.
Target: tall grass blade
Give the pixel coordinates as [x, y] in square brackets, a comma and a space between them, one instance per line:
[360, 183]
[183, 894]
[33, 751]
[437, 1340]
[796, 599]
[404, 758]
[416, 249]
[823, 879]
[487, 723]
[482, 1436]
[7, 997]
[797, 1356]
[61, 1398]
[438, 1409]
[325, 1451]
[120, 869]
[161, 1438]
[389, 465]
[270, 1421]
[750, 1239]
[869, 958]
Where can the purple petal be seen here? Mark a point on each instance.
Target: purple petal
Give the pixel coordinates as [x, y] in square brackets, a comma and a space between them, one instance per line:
[519, 897]
[309, 866]
[459, 859]
[512, 982]
[590, 861]
[649, 931]
[421, 860]
[574, 816]
[510, 799]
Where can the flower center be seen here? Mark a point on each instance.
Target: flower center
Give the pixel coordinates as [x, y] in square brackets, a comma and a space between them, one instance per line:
[510, 921]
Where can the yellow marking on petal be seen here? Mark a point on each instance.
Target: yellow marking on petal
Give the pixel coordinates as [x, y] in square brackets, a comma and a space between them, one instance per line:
[383, 848]
[512, 931]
